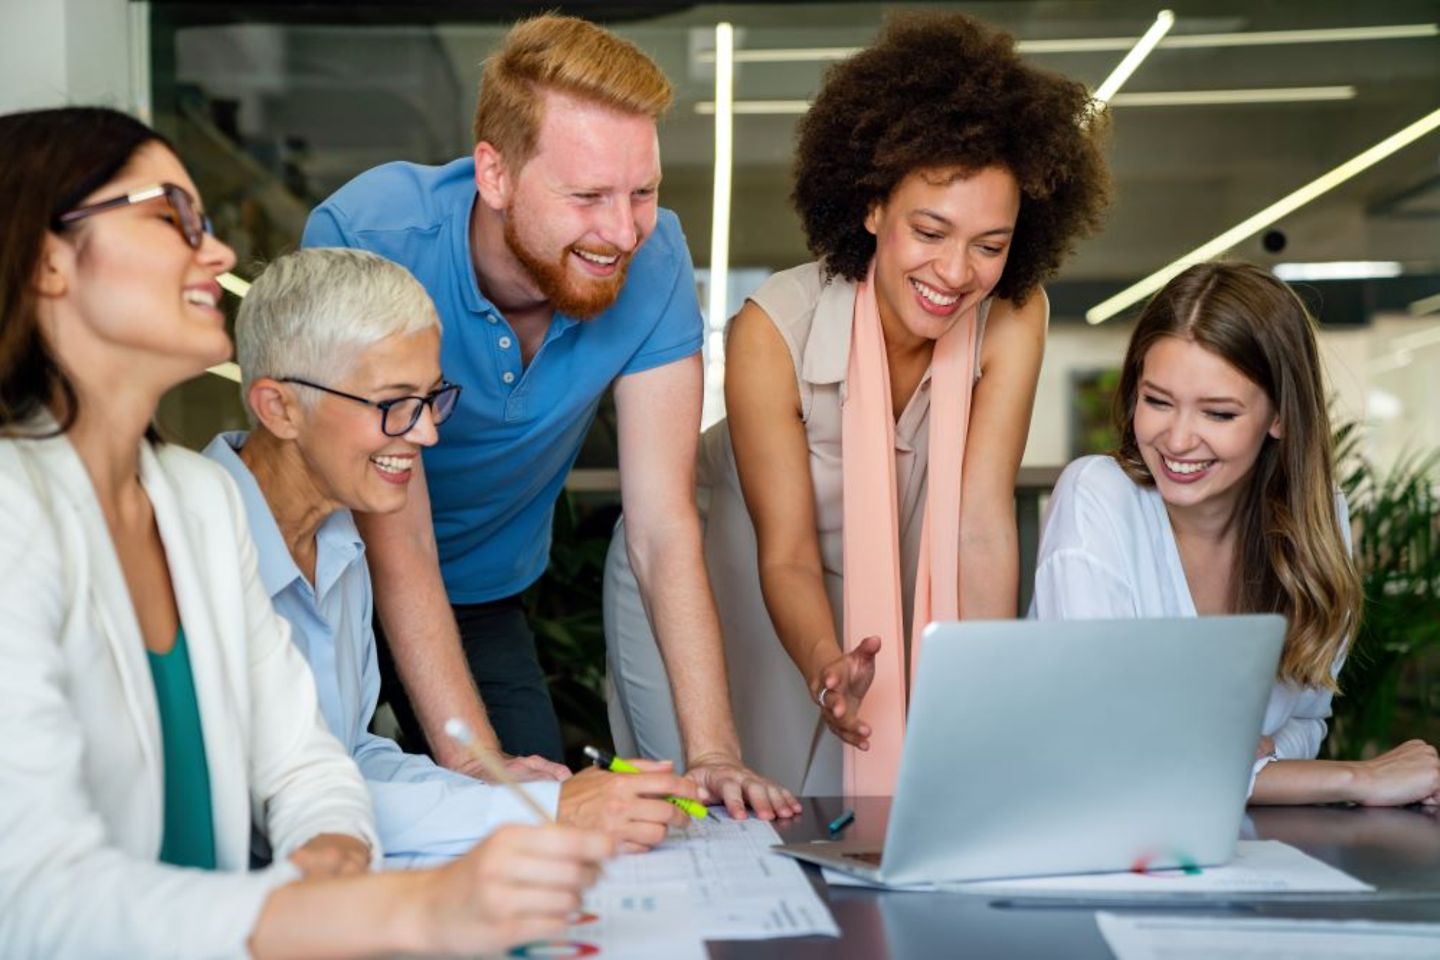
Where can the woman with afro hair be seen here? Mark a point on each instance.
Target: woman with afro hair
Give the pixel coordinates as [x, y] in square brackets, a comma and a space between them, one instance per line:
[878, 401]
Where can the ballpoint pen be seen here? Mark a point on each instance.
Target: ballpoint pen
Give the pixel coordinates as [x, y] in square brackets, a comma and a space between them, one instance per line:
[614, 764]
[842, 821]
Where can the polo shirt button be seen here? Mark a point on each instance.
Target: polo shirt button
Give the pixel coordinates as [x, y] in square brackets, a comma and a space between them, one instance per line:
[508, 377]
[491, 318]
[504, 343]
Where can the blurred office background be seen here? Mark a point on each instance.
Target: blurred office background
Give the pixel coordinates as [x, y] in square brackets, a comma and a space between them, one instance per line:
[1240, 105]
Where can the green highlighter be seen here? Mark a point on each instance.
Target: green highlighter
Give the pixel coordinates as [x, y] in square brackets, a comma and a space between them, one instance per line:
[614, 764]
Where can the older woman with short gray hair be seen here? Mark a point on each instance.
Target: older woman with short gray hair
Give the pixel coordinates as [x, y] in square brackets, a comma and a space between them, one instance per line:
[339, 353]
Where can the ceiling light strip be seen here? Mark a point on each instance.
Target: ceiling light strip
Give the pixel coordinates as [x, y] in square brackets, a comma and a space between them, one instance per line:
[1164, 20]
[1251, 225]
[1149, 98]
[1204, 98]
[720, 205]
[1338, 270]
[1399, 31]
[1425, 305]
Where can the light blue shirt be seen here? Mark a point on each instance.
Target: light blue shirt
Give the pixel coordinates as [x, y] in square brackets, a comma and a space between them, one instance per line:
[423, 811]
[509, 446]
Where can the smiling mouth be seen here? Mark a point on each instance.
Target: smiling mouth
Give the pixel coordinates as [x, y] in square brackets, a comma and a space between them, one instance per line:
[934, 296]
[393, 465]
[1186, 467]
[599, 259]
[205, 298]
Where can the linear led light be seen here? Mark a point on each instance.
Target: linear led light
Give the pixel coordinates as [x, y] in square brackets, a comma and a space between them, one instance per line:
[230, 371]
[1164, 20]
[239, 287]
[720, 205]
[234, 284]
[1257, 38]
[1337, 270]
[1425, 305]
[1149, 98]
[1255, 223]
[1205, 98]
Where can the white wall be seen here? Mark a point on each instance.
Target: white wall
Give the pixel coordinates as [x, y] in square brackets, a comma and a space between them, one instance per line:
[74, 52]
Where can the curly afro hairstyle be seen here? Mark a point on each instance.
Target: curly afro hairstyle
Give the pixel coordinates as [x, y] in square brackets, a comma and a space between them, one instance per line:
[941, 92]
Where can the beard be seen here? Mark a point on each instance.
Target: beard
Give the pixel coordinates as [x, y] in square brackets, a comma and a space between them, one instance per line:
[581, 298]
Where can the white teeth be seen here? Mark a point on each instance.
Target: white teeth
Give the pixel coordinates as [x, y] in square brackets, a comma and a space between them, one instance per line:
[204, 297]
[931, 294]
[1176, 466]
[393, 464]
[596, 258]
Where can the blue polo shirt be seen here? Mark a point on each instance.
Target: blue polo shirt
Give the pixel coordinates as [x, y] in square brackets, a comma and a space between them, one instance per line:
[505, 453]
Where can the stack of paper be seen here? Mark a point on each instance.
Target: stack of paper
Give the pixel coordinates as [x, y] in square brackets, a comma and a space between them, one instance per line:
[1259, 867]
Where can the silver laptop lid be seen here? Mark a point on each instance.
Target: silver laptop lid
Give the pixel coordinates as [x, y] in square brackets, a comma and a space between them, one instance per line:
[1077, 746]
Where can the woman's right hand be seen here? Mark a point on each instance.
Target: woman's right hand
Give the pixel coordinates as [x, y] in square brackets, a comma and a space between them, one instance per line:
[841, 685]
[1410, 773]
[521, 883]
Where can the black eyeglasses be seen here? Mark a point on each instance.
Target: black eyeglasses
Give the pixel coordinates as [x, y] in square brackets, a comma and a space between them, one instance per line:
[192, 224]
[406, 410]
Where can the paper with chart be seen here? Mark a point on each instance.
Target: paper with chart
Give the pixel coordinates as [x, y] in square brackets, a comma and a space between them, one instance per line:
[742, 889]
[1132, 937]
[1259, 867]
[715, 880]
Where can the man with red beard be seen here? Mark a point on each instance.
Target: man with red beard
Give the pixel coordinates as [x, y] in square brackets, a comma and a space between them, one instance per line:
[556, 274]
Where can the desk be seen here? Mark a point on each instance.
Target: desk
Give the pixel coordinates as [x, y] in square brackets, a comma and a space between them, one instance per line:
[1392, 849]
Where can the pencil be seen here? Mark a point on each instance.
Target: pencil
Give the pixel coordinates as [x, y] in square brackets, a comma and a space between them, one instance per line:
[459, 731]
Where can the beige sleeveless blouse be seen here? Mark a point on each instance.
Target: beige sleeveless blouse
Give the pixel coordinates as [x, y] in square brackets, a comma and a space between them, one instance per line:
[781, 734]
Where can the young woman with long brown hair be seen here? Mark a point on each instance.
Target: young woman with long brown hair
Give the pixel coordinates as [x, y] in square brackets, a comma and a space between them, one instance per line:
[1222, 499]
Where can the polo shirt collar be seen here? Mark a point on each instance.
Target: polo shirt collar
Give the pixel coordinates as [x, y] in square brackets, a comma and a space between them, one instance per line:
[337, 542]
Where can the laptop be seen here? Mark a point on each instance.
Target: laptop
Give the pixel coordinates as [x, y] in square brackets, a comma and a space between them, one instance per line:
[1080, 746]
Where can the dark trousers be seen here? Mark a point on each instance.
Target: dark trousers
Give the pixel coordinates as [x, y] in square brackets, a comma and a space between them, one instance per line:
[500, 648]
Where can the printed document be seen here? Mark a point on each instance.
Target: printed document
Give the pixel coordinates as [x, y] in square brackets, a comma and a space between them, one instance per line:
[1132, 937]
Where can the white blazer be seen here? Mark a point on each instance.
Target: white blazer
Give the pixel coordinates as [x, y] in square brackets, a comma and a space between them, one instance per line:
[81, 784]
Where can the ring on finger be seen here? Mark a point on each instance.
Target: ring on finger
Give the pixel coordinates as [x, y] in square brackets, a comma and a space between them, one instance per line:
[820, 697]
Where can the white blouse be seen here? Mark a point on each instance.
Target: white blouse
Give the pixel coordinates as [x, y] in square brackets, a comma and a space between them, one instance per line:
[1108, 551]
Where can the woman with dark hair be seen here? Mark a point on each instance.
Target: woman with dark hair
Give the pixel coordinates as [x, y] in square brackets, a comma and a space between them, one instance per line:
[879, 398]
[1221, 499]
[154, 705]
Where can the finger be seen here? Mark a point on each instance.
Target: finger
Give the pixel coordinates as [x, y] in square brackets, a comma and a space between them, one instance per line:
[642, 834]
[758, 795]
[653, 766]
[545, 872]
[659, 812]
[537, 903]
[734, 798]
[657, 785]
[792, 801]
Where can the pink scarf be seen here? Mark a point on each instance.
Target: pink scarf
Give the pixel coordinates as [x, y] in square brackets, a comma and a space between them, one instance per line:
[872, 525]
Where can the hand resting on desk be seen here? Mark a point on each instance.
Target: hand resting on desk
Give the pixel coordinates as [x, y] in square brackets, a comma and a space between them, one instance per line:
[629, 807]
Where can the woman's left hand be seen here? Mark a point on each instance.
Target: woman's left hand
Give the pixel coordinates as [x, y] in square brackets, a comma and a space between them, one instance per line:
[332, 855]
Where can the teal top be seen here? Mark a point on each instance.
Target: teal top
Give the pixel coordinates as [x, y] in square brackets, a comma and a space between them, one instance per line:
[189, 838]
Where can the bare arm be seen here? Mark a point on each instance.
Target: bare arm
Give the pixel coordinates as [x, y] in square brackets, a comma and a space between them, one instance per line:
[414, 610]
[772, 455]
[762, 404]
[1410, 773]
[520, 884]
[999, 423]
[659, 417]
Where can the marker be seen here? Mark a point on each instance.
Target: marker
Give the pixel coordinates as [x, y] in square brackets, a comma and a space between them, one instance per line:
[842, 821]
[605, 761]
[459, 731]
